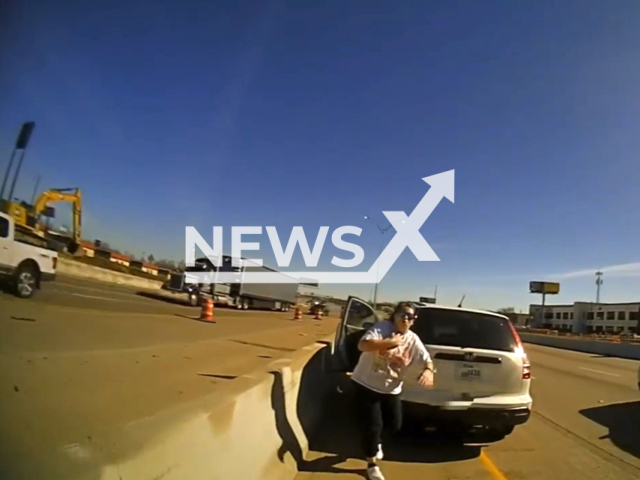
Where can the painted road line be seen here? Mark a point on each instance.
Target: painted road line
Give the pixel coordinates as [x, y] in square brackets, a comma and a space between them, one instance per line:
[599, 371]
[491, 467]
[120, 300]
[94, 296]
[98, 289]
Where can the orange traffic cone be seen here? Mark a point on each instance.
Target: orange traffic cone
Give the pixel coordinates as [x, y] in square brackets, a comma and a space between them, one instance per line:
[298, 315]
[206, 314]
[318, 314]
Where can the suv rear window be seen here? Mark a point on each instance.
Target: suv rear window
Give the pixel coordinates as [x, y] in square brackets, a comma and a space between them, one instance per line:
[454, 328]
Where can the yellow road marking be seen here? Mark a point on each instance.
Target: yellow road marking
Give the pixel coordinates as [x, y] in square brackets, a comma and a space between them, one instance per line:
[491, 467]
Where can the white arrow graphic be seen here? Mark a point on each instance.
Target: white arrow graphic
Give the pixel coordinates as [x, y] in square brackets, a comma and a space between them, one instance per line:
[407, 235]
[442, 185]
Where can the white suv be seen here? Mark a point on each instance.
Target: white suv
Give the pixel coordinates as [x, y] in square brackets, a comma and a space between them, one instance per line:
[482, 377]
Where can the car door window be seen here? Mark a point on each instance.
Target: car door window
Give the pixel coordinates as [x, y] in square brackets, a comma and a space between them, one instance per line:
[4, 228]
[359, 317]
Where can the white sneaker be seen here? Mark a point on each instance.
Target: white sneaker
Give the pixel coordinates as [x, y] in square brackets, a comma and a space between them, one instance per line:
[379, 454]
[374, 473]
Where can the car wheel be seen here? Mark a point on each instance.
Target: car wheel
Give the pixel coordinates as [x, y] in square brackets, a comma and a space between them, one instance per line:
[26, 281]
[193, 300]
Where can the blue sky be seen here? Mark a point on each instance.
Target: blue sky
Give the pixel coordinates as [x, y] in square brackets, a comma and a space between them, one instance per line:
[260, 113]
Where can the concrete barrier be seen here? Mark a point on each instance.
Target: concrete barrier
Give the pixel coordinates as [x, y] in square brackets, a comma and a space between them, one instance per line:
[598, 347]
[71, 267]
[256, 427]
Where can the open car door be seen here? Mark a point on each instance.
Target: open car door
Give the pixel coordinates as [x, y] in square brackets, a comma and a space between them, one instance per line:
[357, 317]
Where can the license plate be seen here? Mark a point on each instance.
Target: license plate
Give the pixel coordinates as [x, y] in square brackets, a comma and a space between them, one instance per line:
[468, 372]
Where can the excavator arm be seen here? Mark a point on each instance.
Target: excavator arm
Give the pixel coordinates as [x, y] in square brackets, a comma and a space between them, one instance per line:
[71, 195]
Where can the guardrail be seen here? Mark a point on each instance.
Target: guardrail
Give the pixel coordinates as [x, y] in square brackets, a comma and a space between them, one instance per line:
[606, 347]
[583, 336]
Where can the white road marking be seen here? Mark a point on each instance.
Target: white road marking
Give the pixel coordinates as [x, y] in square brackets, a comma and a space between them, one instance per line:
[599, 371]
[95, 289]
[93, 296]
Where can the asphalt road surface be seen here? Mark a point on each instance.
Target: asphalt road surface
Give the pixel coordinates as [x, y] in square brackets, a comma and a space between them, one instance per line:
[586, 425]
[75, 292]
[83, 357]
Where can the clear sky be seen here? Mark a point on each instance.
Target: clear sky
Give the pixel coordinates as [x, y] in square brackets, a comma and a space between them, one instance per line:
[169, 114]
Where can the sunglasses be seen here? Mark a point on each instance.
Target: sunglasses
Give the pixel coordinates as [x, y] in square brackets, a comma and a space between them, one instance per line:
[407, 317]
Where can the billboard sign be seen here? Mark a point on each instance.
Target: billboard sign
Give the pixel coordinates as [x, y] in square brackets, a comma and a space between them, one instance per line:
[548, 288]
[427, 300]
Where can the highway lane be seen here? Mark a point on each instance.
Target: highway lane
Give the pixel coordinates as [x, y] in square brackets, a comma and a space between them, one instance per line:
[69, 291]
[586, 424]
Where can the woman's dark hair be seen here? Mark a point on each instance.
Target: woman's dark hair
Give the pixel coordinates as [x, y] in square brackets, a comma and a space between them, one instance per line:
[399, 308]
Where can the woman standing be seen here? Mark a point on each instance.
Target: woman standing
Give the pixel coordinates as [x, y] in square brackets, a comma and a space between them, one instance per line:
[388, 349]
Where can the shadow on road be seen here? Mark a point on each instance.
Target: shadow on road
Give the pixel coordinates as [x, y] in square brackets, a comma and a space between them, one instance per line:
[623, 422]
[332, 433]
[7, 288]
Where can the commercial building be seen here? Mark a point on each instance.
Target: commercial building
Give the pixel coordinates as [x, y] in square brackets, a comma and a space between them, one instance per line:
[519, 319]
[588, 317]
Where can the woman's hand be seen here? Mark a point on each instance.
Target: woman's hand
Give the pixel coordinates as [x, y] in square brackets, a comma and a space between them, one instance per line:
[394, 341]
[426, 378]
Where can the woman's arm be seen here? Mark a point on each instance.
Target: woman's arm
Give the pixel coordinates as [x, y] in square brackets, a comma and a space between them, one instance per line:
[423, 356]
[377, 344]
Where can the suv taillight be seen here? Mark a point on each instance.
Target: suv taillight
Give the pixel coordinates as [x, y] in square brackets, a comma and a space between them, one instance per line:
[526, 366]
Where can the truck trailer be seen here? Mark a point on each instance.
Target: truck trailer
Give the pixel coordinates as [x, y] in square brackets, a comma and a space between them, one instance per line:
[238, 294]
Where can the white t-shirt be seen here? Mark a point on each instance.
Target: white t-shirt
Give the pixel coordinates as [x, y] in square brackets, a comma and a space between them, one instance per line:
[377, 372]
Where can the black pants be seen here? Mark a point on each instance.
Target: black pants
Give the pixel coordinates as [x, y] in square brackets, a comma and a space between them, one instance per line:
[376, 411]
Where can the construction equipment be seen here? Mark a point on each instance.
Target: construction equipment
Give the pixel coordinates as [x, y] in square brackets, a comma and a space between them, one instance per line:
[28, 216]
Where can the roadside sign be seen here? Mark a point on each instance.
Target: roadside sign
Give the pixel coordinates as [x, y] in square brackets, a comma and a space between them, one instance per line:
[427, 300]
[547, 288]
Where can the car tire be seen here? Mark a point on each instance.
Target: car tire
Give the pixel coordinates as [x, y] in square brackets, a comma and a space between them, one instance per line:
[26, 281]
[194, 300]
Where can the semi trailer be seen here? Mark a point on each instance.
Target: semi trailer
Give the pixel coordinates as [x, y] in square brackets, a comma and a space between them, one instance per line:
[238, 294]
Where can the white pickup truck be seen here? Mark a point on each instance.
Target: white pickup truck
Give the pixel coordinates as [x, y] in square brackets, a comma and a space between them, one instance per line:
[23, 264]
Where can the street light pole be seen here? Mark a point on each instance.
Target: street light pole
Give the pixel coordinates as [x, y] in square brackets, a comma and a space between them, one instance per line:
[375, 287]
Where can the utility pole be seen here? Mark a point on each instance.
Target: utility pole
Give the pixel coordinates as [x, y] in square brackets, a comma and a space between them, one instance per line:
[375, 287]
[435, 294]
[35, 190]
[598, 284]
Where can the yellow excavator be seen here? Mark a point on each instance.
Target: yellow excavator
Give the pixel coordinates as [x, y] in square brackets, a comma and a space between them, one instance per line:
[29, 216]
